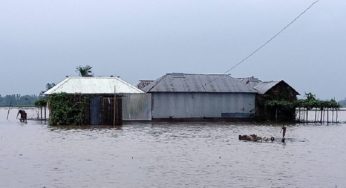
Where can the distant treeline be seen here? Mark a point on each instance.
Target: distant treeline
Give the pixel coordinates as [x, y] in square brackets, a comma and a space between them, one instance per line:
[18, 100]
[343, 103]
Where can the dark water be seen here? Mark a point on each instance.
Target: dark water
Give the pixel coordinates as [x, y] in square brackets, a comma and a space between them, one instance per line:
[170, 155]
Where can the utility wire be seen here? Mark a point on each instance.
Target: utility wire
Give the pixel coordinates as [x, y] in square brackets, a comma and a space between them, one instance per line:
[268, 41]
[272, 38]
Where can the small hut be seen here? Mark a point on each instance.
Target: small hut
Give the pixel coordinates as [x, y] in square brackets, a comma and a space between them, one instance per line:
[88, 100]
[274, 100]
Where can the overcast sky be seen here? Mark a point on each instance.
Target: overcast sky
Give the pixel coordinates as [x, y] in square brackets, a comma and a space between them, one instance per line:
[44, 40]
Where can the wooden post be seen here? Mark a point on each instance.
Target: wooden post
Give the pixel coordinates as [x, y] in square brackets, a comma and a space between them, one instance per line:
[114, 107]
[307, 115]
[45, 113]
[337, 114]
[321, 115]
[119, 111]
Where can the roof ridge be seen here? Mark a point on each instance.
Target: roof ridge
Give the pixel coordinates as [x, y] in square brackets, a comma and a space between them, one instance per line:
[69, 85]
[208, 74]
[157, 82]
[59, 85]
[198, 83]
[271, 81]
[94, 77]
[126, 83]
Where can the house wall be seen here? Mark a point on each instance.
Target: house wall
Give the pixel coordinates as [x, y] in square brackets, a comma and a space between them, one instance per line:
[202, 105]
[136, 107]
[104, 110]
[280, 92]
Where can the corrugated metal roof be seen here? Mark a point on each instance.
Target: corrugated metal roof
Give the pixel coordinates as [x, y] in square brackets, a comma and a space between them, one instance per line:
[180, 82]
[93, 85]
[263, 87]
[250, 81]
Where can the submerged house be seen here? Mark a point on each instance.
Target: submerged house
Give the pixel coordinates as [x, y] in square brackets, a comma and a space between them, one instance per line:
[200, 96]
[274, 99]
[97, 101]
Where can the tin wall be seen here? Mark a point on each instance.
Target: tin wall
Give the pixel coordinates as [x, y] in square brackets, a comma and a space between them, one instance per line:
[203, 105]
[136, 107]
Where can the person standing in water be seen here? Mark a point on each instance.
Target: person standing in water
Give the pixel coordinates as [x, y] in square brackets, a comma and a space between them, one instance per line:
[283, 130]
[23, 116]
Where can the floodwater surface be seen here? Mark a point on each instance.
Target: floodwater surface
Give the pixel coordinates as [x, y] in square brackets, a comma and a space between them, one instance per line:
[169, 155]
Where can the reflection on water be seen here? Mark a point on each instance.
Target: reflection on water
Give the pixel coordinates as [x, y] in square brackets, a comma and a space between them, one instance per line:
[170, 155]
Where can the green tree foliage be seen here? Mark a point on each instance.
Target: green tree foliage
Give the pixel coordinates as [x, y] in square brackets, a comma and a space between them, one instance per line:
[309, 103]
[84, 71]
[67, 109]
[42, 102]
[48, 87]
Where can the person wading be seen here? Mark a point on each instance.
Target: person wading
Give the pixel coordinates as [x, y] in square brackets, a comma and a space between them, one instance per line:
[23, 116]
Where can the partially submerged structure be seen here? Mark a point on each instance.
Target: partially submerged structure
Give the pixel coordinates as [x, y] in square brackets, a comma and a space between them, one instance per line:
[174, 96]
[274, 99]
[179, 96]
[96, 101]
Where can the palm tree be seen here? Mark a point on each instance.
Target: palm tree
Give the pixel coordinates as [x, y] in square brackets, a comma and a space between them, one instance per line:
[84, 71]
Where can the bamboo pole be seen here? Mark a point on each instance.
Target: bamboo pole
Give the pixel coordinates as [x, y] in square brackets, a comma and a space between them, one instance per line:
[321, 116]
[45, 113]
[307, 115]
[315, 115]
[114, 106]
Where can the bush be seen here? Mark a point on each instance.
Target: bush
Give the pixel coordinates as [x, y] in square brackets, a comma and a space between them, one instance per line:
[67, 109]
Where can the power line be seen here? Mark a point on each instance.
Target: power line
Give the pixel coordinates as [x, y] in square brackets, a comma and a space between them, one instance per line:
[268, 41]
[272, 38]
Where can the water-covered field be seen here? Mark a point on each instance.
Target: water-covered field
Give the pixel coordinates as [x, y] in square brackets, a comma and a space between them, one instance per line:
[169, 155]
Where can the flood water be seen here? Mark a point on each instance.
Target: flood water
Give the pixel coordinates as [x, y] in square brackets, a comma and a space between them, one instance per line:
[169, 155]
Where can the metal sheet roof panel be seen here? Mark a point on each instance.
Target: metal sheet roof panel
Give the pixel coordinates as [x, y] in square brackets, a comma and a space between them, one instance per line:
[263, 87]
[93, 85]
[180, 82]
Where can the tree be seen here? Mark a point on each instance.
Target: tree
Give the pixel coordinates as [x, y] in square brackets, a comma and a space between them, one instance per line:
[310, 97]
[49, 86]
[84, 71]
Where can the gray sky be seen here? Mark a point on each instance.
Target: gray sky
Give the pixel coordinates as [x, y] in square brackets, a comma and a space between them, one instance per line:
[44, 40]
